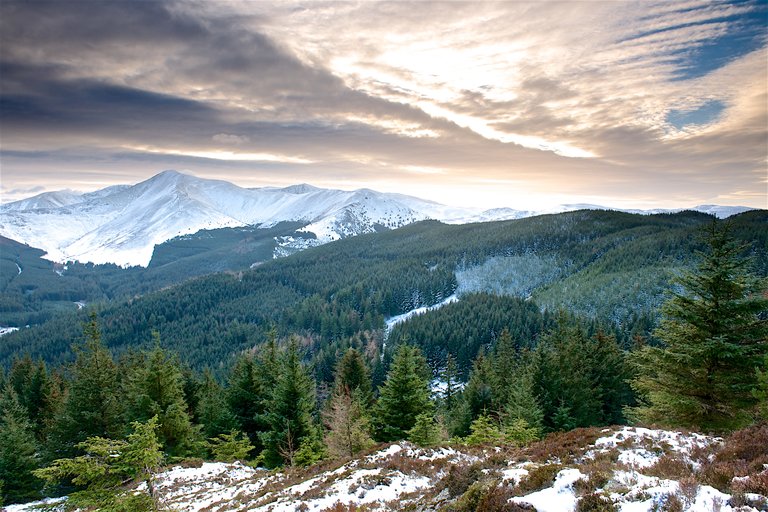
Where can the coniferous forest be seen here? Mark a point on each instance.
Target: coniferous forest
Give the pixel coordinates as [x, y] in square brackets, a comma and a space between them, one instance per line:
[290, 365]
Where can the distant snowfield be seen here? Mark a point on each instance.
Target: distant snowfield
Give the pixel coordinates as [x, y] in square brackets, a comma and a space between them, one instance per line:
[122, 224]
[403, 477]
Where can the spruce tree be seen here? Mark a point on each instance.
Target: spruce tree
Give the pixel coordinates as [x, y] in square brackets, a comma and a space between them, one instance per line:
[211, 412]
[93, 406]
[352, 376]
[290, 410]
[155, 388]
[715, 334]
[404, 395]
[17, 450]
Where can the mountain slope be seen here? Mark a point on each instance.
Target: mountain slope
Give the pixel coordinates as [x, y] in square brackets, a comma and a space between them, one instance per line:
[123, 224]
[336, 290]
[629, 468]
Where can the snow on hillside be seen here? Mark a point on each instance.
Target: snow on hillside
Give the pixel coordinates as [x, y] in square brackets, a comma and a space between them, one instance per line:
[635, 469]
[122, 224]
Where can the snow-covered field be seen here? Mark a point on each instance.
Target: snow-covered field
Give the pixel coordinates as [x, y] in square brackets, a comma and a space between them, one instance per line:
[618, 466]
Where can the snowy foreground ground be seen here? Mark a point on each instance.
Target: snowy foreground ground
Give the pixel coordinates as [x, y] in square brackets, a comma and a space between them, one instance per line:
[636, 469]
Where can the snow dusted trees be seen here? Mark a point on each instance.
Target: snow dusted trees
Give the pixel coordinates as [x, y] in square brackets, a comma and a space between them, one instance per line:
[715, 335]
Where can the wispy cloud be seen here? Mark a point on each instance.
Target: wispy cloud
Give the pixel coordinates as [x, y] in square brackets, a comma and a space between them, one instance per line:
[540, 98]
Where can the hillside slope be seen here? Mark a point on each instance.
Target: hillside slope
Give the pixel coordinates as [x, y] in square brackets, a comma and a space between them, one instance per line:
[596, 263]
[623, 469]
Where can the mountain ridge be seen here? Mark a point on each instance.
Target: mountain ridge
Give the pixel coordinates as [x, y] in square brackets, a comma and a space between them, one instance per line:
[122, 224]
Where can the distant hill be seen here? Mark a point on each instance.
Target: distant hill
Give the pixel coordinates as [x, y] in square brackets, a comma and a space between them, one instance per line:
[123, 224]
[608, 266]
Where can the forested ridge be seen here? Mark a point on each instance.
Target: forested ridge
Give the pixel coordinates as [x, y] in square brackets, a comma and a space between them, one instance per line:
[107, 418]
[608, 267]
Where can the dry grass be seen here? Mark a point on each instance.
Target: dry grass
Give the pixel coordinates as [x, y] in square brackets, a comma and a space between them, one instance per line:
[564, 446]
[672, 466]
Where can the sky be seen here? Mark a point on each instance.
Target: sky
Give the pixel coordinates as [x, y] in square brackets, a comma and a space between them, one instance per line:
[631, 104]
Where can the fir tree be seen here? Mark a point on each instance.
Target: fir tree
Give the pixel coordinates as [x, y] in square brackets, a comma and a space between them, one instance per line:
[230, 447]
[425, 431]
[714, 333]
[521, 401]
[404, 395]
[155, 388]
[479, 391]
[211, 412]
[17, 450]
[484, 430]
[92, 406]
[105, 466]
[450, 376]
[352, 376]
[760, 392]
[290, 410]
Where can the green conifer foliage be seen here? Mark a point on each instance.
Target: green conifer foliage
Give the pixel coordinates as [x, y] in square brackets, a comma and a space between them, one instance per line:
[154, 387]
[484, 430]
[760, 392]
[404, 395]
[106, 466]
[715, 335]
[352, 375]
[290, 410]
[92, 406]
[212, 412]
[426, 431]
[17, 450]
[231, 446]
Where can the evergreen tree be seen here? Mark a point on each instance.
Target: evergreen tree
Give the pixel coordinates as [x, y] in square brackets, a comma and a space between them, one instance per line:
[230, 447]
[250, 387]
[92, 406]
[352, 375]
[484, 430]
[104, 468]
[521, 401]
[425, 431]
[760, 392]
[348, 424]
[38, 391]
[290, 410]
[17, 450]
[155, 388]
[479, 392]
[211, 412]
[404, 395]
[714, 333]
[450, 376]
[564, 380]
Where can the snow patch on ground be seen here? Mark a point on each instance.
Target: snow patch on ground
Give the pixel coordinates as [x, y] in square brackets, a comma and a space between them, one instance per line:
[393, 321]
[7, 330]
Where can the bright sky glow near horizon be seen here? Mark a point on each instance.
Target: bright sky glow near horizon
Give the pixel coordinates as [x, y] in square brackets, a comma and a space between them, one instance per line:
[632, 104]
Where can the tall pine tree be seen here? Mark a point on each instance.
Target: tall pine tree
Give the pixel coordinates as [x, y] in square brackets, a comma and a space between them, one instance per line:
[404, 395]
[17, 450]
[154, 387]
[92, 406]
[290, 410]
[715, 334]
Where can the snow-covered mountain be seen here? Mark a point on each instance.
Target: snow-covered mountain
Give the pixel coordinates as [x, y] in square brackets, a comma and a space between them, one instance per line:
[122, 224]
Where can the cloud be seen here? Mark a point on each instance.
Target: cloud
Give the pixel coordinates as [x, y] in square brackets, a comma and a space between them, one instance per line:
[228, 138]
[459, 93]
